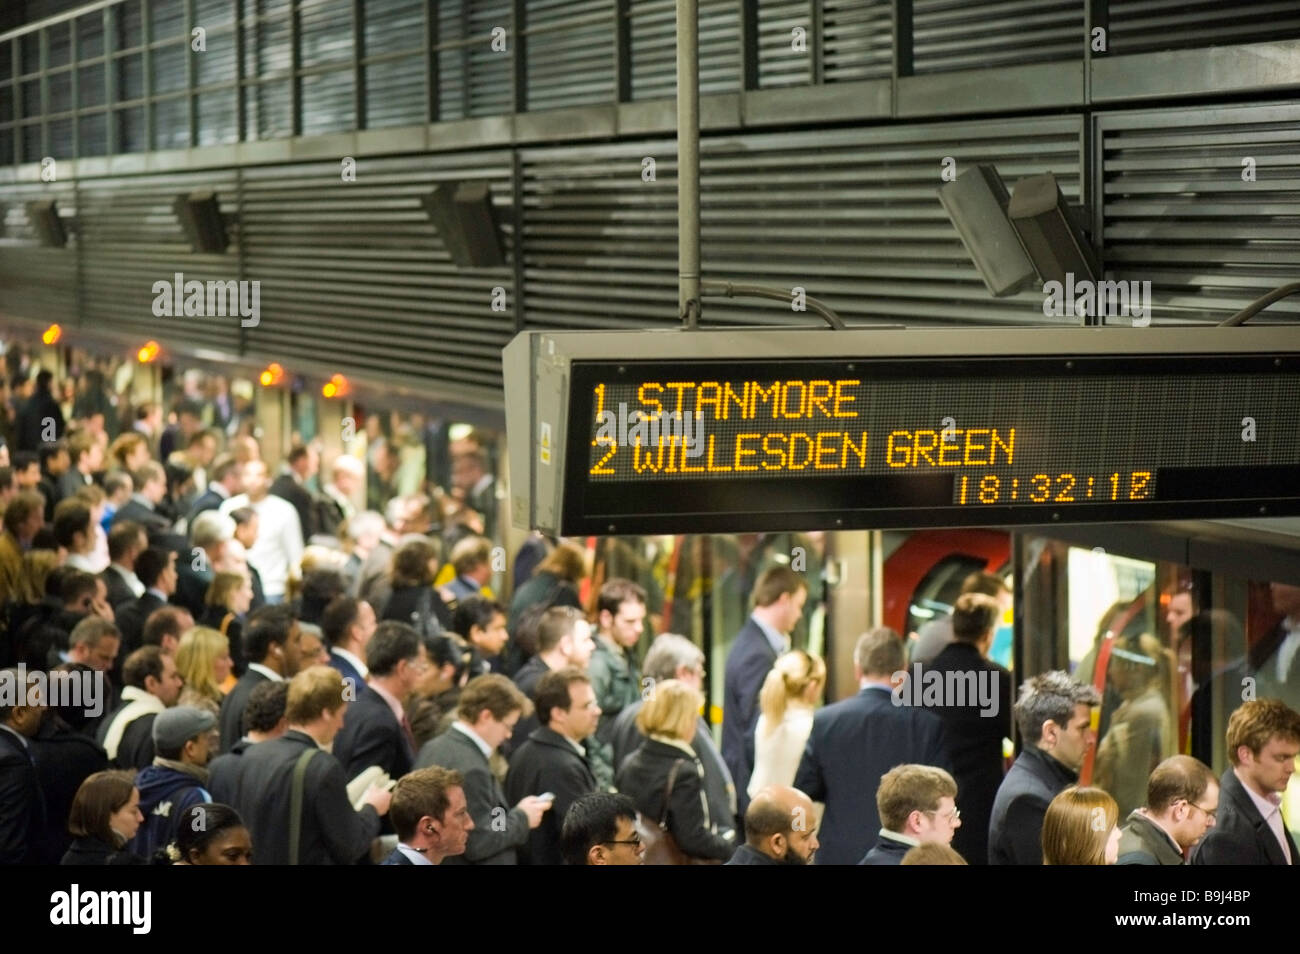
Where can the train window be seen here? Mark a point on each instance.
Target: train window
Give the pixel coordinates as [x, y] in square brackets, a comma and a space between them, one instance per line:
[1175, 650]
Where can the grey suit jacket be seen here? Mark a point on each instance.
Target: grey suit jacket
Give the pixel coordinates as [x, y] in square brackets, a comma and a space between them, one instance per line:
[1142, 842]
[499, 831]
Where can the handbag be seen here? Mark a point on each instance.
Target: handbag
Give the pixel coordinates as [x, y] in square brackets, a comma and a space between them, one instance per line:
[661, 847]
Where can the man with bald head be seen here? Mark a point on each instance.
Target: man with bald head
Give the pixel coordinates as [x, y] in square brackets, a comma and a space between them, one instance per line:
[779, 827]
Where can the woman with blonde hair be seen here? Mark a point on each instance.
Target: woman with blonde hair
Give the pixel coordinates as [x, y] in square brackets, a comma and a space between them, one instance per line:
[225, 604]
[785, 702]
[1081, 827]
[203, 661]
[665, 778]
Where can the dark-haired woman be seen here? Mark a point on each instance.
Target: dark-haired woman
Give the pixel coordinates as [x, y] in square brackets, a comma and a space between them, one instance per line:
[211, 834]
[105, 815]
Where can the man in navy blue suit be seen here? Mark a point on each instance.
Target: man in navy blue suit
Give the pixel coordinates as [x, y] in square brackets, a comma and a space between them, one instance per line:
[430, 816]
[348, 625]
[855, 741]
[779, 596]
[377, 731]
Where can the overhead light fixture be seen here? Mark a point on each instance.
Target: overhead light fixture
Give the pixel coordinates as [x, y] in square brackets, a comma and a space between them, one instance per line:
[335, 387]
[272, 376]
[51, 335]
[148, 353]
[199, 214]
[466, 221]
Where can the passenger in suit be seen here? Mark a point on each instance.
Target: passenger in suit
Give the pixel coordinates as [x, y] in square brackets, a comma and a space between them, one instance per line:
[156, 569]
[1054, 715]
[917, 804]
[1263, 741]
[263, 719]
[377, 731]
[489, 708]
[22, 805]
[675, 657]
[779, 829]
[272, 642]
[431, 817]
[666, 780]
[1182, 799]
[779, 597]
[152, 685]
[226, 480]
[65, 757]
[150, 483]
[348, 624]
[331, 830]
[855, 741]
[126, 542]
[553, 759]
[303, 462]
[974, 727]
[471, 560]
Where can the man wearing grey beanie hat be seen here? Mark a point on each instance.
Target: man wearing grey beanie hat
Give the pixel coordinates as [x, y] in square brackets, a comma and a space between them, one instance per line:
[184, 739]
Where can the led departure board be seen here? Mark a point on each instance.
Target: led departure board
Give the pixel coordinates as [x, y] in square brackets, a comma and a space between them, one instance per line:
[878, 440]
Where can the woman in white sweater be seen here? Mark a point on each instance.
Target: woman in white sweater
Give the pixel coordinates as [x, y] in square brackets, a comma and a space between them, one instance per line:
[786, 702]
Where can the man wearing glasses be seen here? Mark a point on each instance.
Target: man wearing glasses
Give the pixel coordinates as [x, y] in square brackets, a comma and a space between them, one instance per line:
[917, 804]
[1182, 801]
[600, 829]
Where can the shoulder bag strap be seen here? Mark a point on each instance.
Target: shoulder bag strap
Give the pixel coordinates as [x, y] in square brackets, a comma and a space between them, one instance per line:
[295, 802]
[668, 792]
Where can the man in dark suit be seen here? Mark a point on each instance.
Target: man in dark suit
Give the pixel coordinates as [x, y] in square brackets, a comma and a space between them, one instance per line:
[1263, 742]
[917, 804]
[272, 642]
[225, 481]
[150, 482]
[976, 722]
[85, 458]
[126, 542]
[263, 720]
[156, 570]
[488, 709]
[65, 758]
[854, 742]
[779, 597]
[292, 486]
[22, 806]
[431, 817]
[779, 829]
[330, 830]
[1182, 799]
[377, 731]
[348, 625]
[1054, 714]
[552, 758]
[563, 639]
[39, 420]
[194, 574]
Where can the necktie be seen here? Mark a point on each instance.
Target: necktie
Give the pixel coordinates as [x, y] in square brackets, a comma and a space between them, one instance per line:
[406, 728]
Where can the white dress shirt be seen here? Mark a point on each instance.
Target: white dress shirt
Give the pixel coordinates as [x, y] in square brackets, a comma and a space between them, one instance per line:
[277, 551]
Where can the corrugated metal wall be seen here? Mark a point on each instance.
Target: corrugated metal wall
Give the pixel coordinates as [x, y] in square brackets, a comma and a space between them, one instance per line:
[965, 34]
[1205, 205]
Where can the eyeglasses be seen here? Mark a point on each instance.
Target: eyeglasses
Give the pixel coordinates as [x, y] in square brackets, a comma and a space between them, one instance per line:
[1213, 815]
[952, 816]
[630, 841]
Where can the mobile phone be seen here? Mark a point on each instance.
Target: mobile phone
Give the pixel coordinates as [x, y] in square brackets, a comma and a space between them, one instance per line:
[547, 796]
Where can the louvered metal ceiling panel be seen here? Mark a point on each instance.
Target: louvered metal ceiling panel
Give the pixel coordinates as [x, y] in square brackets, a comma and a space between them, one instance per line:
[131, 239]
[325, 40]
[970, 34]
[1178, 213]
[355, 278]
[857, 40]
[779, 62]
[1139, 26]
[852, 216]
[268, 60]
[37, 283]
[473, 78]
[654, 47]
[569, 53]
